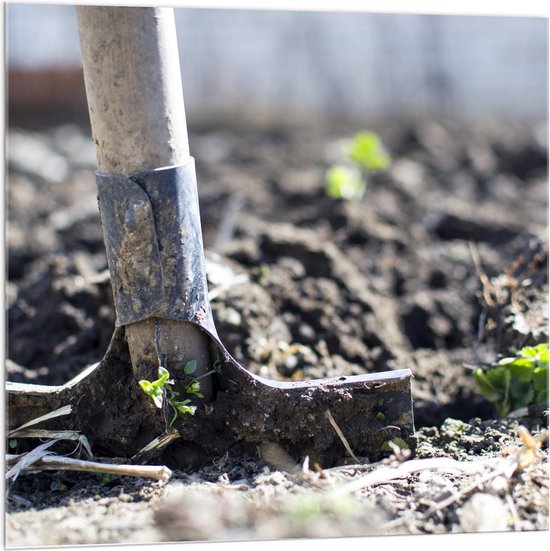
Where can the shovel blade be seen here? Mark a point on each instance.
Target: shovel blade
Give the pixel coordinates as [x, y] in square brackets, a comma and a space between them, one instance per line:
[331, 421]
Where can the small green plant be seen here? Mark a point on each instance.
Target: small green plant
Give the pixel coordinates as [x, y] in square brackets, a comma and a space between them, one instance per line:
[518, 381]
[106, 478]
[344, 182]
[365, 153]
[157, 389]
[161, 391]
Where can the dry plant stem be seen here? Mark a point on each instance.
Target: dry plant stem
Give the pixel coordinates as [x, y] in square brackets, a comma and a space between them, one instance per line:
[485, 283]
[340, 434]
[65, 410]
[25, 460]
[156, 446]
[133, 86]
[58, 463]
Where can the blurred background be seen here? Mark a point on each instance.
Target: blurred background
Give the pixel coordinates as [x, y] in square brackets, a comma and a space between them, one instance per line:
[272, 67]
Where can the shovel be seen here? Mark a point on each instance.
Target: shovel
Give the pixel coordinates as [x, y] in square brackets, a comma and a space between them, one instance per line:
[150, 216]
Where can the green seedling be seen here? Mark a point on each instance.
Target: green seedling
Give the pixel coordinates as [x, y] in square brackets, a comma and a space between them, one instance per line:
[161, 391]
[194, 388]
[365, 153]
[516, 382]
[345, 183]
[157, 389]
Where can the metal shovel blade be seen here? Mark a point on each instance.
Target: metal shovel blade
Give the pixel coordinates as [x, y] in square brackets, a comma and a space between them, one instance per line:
[246, 412]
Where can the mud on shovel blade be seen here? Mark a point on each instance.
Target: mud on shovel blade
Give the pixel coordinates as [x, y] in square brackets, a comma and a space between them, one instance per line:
[154, 248]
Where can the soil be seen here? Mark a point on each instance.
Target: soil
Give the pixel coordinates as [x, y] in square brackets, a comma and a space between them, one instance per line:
[306, 287]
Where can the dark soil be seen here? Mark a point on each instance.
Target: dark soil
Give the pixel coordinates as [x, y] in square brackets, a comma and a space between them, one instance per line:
[307, 287]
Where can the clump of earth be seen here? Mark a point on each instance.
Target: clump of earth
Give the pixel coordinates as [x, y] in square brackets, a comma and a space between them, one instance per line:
[303, 286]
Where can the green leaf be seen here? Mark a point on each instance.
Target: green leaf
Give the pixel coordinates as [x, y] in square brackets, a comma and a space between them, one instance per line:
[521, 393]
[162, 381]
[540, 378]
[489, 391]
[518, 381]
[522, 369]
[190, 367]
[158, 398]
[529, 352]
[184, 409]
[193, 387]
[542, 397]
[342, 182]
[164, 375]
[367, 151]
[499, 377]
[147, 387]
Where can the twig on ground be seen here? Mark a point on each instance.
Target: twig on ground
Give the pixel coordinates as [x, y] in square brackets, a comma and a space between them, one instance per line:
[61, 463]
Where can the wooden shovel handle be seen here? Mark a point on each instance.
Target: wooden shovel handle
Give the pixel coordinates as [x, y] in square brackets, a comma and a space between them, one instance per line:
[133, 85]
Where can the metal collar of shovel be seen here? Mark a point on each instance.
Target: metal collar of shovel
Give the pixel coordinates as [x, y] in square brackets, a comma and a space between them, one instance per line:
[153, 237]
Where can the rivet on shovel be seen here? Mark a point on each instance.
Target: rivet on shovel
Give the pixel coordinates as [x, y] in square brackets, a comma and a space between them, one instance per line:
[150, 215]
